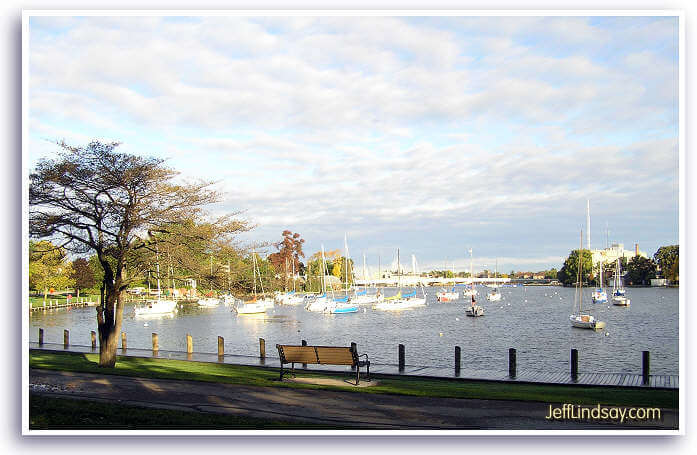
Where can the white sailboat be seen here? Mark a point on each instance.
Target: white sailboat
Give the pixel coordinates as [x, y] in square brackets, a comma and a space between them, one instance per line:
[209, 301]
[362, 297]
[447, 296]
[401, 301]
[579, 318]
[495, 295]
[343, 305]
[252, 306]
[319, 302]
[619, 297]
[470, 290]
[292, 298]
[599, 295]
[157, 306]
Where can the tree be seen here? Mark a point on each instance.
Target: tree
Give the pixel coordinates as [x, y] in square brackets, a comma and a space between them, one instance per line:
[640, 270]
[48, 268]
[82, 275]
[118, 206]
[289, 252]
[568, 274]
[668, 259]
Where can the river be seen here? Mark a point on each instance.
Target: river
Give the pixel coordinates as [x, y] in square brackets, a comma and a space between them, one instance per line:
[532, 319]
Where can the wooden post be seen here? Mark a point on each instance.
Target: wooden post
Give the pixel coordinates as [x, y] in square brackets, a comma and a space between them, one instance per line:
[401, 358]
[304, 343]
[645, 366]
[155, 343]
[41, 337]
[458, 358]
[189, 344]
[66, 338]
[262, 348]
[221, 346]
[93, 338]
[574, 364]
[123, 340]
[512, 363]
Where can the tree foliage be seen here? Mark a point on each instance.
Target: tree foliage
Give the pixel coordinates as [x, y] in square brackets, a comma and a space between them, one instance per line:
[640, 270]
[94, 199]
[82, 275]
[568, 274]
[668, 259]
[48, 267]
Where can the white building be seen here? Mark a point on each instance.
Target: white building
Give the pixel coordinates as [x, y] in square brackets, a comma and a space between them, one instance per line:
[616, 250]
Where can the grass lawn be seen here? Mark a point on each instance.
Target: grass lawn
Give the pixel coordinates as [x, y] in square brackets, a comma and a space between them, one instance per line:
[49, 413]
[448, 388]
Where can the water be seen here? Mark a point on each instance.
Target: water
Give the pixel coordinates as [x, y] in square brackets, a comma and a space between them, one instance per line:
[534, 320]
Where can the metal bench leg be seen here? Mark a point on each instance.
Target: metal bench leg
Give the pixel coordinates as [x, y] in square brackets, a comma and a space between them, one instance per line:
[367, 367]
[358, 374]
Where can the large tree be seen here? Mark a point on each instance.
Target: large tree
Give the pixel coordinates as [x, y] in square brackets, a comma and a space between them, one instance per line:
[568, 274]
[288, 254]
[640, 270]
[668, 259]
[119, 206]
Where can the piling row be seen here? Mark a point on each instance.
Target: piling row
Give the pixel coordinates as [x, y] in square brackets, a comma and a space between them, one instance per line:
[401, 355]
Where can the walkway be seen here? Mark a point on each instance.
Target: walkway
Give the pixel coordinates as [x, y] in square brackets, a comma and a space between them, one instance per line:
[343, 409]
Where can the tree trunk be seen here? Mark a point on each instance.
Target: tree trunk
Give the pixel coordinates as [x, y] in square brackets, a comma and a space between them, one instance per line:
[109, 318]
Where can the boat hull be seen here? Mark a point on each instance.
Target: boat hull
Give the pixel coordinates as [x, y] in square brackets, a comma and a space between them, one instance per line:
[474, 311]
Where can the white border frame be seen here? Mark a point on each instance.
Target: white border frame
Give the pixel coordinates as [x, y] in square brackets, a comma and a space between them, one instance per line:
[682, 175]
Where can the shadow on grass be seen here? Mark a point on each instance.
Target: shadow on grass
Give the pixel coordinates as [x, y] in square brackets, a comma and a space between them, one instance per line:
[158, 368]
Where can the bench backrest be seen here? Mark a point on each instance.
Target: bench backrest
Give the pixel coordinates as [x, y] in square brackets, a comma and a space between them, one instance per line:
[328, 355]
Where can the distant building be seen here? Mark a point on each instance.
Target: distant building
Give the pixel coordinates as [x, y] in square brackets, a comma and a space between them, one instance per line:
[616, 250]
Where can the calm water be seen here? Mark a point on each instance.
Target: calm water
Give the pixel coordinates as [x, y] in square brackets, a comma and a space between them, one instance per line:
[534, 320]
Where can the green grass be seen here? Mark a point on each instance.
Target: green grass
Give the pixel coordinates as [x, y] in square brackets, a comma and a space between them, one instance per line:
[49, 413]
[448, 388]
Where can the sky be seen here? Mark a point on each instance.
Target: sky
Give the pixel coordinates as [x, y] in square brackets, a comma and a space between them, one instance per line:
[432, 134]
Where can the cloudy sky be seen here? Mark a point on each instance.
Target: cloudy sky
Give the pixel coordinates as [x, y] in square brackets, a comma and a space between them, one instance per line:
[431, 134]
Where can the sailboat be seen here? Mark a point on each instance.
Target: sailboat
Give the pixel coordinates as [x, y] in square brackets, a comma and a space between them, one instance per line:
[401, 301]
[495, 295]
[599, 295]
[157, 306]
[447, 296]
[291, 297]
[319, 302]
[362, 297]
[579, 318]
[252, 306]
[209, 301]
[618, 293]
[343, 305]
[470, 290]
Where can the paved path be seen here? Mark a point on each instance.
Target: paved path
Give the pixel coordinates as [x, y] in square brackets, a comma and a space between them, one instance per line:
[361, 410]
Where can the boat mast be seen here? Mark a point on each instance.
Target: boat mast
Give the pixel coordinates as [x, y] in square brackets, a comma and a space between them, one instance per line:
[399, 276]
[588, 222]
[580, 292]
[157, 257]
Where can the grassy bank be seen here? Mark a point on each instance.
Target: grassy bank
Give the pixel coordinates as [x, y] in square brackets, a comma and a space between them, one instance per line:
[254, 376]
[49, 413]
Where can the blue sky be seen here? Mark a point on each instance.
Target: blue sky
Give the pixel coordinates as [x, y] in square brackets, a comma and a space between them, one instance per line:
[431, 134]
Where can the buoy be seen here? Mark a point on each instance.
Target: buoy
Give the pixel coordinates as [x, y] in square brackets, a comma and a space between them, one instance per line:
[607, 334]
[145, 325]
[440, 334]
[457, 319]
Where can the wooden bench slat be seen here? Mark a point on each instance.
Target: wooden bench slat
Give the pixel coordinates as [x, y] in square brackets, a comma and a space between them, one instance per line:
[335, 355]
[299, 354]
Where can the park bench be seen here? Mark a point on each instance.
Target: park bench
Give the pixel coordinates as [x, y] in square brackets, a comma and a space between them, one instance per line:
[323, 355]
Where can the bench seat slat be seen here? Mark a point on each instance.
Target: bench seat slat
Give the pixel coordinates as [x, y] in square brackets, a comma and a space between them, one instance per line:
[299, 354]
[335, 355]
